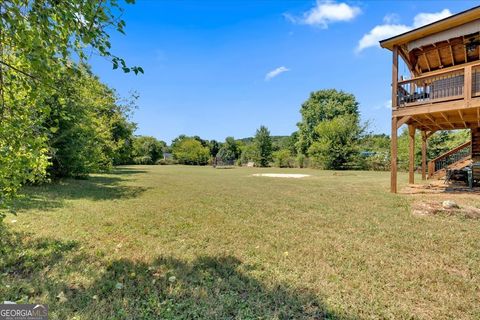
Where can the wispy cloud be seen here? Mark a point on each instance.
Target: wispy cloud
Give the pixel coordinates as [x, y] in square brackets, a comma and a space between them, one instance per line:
[391, 28]
[275, 72]
[326, 12]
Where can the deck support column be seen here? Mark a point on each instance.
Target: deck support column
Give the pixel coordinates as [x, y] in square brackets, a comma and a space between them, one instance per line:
[424, 155]
[393, 153]
[411, 154]
[393, 156]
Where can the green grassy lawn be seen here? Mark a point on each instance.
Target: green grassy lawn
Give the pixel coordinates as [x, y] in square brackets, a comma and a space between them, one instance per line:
[176, 242]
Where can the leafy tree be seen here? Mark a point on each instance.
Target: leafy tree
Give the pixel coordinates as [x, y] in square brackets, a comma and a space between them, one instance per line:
[226, 155]
[214, 147]
[87, 127]
[322, 105]
[248, 154]
[38, 41]
[147, 150]
[263, 145]
[230, 150]
[190, 151]
[337, 145]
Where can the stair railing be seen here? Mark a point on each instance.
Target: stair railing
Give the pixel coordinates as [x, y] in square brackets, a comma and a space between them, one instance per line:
[444, 160]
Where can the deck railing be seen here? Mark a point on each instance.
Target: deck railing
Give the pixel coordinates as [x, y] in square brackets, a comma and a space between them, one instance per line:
[448, 158]
[476, 81]
[447, 86]
[441, 86]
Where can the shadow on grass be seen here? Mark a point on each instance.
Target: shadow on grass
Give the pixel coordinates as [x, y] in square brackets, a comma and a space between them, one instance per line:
[210, 287]
[96, 188]
[128, 170]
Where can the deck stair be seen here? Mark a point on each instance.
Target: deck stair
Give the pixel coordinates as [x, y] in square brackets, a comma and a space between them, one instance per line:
[455, 159]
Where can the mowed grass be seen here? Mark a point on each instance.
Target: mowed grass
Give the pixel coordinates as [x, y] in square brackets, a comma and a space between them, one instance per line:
[177, 242]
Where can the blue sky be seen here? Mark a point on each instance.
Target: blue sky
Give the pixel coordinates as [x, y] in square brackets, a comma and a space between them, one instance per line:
[223, 68]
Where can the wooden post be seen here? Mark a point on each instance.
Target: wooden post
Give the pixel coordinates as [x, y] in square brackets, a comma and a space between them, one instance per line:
[393, 156]
[467, 87]
[411, 154]
[424, 155]
[393, 153]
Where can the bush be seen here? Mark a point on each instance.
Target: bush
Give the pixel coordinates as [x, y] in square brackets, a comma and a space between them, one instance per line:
[302, 161]
[377, 162]
[142, 160]
[166, 162]
[283, 159]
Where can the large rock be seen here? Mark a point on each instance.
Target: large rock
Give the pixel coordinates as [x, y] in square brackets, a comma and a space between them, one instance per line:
[450, 204]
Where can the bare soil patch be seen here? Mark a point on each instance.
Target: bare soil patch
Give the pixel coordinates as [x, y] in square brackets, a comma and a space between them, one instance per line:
[282, 175]
[432, 208]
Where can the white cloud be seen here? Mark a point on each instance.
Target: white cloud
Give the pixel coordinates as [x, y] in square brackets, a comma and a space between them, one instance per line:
[391, 18]
[391, 29]
[380, 32]
[275, 72]
[326, 12]
[422, 19]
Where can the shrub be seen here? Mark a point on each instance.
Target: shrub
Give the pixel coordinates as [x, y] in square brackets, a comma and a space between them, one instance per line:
[165, 162]
[283, 159]
[142, 160]
[302, 161]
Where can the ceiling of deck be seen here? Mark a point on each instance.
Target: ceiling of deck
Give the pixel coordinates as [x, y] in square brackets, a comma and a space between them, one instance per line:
[448, 53]
[447, 120]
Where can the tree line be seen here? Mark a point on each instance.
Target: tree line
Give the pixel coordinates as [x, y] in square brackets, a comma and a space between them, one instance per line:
[330, 135]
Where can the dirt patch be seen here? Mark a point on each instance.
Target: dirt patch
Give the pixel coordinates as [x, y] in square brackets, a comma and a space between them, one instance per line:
[432, 208]
[282, 175]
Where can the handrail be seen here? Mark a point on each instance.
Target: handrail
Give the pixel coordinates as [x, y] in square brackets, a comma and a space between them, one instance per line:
[448, 158]
[450, 152]
[443, 71]
[429, 76]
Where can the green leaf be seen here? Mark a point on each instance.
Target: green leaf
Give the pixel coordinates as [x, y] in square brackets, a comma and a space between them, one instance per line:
[53, 129]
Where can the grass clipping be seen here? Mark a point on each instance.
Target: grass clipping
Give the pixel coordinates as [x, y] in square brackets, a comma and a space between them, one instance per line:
[433, 208]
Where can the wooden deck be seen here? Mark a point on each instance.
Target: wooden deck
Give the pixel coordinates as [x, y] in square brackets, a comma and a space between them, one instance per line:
[442, 91]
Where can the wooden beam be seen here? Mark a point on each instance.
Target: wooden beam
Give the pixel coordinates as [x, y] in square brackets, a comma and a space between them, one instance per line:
[446, 119]
[394, 143]
[394, 77]
[426, 61]
[393, 156]
[478, 116]
[432, 120]
[411, 154]
[439, 58]
[451, 54]
[467, 89]
[461, 117]
[430, 133]
[465, 51]
[402, 121]
[424, 155]
[422, 124]
[435, 107]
